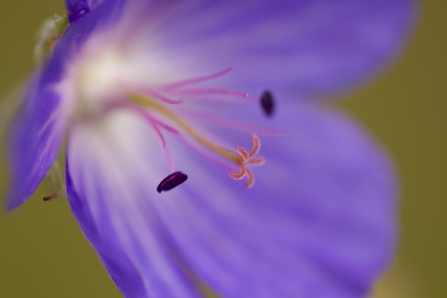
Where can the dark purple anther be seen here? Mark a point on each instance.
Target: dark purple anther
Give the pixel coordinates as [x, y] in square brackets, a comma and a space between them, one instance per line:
[267, 103]
[76, 9]
[173, 180]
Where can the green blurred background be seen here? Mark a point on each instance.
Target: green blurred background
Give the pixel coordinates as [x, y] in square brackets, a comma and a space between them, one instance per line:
[44, 254]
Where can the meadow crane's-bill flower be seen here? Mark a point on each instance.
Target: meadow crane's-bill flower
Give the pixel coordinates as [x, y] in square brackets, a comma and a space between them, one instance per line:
[146, 94]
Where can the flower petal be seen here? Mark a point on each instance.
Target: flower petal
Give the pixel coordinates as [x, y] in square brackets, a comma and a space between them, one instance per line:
[76, 9]
[319, 222]
[304, 47]
[37, 133]
[34, 143]
[112, 178]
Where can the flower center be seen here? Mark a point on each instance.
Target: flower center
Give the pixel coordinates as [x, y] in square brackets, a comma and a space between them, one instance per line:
[93, 84]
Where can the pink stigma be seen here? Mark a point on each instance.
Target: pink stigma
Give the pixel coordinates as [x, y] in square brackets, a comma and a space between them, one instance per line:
[248, 158]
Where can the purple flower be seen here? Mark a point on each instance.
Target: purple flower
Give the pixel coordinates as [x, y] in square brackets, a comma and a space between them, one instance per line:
[141, 91]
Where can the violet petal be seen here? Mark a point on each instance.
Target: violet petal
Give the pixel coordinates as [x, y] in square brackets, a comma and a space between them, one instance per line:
[112, 173]
[34, 140]
[76, 9]
[298, 48]
[319, 222]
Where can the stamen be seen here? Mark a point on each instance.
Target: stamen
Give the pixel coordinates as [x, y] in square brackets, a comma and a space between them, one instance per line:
[153, 122]
[165, 148]
[163, 98]
[208, 91]
[197, 80]
[171, 181]
[167, 127]
[229, 123]
[267, 103]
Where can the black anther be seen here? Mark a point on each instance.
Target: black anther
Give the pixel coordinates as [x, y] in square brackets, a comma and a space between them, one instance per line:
[171, 181]
[267, 103]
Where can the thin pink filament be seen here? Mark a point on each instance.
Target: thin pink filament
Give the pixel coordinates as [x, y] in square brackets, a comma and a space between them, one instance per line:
[196, 80]
[228, 123]
[161, 97]
[211, 91]
[153, 122]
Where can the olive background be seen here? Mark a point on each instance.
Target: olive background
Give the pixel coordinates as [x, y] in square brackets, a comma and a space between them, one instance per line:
[43, 253]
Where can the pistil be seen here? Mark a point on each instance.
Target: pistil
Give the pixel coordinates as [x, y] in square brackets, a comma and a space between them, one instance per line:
[155, 106]
[241, 158]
